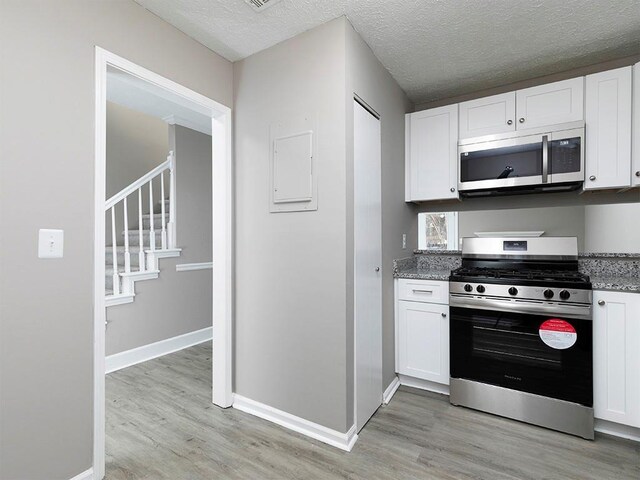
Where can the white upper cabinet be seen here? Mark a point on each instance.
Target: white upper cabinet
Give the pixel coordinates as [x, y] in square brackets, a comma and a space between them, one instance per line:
[635, 148]
[608, 129]
[550, 104]
[431, 154]
[487, 116]
[616, 357]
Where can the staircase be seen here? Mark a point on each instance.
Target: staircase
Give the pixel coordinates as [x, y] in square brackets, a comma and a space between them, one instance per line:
[134, 254]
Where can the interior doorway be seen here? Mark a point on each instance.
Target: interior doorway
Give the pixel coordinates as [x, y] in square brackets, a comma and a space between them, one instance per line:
[219, 117]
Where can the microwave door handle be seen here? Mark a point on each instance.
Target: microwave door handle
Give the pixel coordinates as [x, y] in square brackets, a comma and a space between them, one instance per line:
[545, 158]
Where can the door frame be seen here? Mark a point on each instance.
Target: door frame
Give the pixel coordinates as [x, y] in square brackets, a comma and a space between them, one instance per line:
[222, 222]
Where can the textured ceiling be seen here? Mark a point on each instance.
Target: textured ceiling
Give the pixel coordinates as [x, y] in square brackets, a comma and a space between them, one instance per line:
[433, 48]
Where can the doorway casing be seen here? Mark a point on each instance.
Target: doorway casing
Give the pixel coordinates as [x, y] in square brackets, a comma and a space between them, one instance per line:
[222, 197]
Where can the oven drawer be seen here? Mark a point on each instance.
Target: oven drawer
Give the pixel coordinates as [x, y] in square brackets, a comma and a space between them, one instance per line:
[430, 291]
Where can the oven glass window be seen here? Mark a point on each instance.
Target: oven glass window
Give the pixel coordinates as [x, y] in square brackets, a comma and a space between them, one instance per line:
[504, 162]
[564, 155]
[506, 349]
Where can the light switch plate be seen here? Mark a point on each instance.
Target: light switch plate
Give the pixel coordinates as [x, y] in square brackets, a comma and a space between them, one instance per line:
[50, 243]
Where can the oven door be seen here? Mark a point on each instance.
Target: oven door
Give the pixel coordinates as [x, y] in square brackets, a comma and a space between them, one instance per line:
[544, 354]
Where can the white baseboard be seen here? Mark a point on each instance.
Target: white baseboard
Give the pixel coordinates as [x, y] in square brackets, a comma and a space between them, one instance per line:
[158, 349]
[424, 384]
[617, 430]
[343, 441]
[188, 267]
[86, 475]
[390, 391]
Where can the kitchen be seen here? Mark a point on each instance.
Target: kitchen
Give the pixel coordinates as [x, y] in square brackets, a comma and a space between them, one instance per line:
[408, 190]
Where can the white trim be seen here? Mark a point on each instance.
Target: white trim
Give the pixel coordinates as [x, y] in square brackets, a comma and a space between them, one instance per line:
[390, 391]
[122, 299]
[188, 267]
[343, 441]
[423, 384]
[86, 475]
[137, 355]
[222, 203]
[617, 430]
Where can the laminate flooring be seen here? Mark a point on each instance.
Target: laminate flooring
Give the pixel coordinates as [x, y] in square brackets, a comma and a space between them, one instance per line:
[161, 425]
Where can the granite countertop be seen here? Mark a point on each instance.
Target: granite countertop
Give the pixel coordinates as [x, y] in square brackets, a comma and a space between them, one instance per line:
[620, 284]
[608, 271]
[422, 274]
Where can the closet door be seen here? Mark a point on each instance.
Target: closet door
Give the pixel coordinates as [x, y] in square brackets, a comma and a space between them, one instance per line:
[368, 260]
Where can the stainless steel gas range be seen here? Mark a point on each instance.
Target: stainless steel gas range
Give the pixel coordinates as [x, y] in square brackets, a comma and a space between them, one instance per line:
[521, 332]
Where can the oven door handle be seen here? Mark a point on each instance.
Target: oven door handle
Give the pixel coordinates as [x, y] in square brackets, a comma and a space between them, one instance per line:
[582, 312]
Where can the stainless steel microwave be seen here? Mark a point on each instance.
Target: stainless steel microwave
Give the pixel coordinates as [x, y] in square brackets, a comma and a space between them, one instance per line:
[522, 162]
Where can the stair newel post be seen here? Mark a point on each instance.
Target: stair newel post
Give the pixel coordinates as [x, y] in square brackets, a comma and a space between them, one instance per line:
[162, 221]
[171, 226]
[114, 253]
[141, 261]
[152, 233]
[127, 259]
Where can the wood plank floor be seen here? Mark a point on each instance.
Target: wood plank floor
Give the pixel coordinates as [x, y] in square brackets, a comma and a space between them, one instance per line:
[162, 425]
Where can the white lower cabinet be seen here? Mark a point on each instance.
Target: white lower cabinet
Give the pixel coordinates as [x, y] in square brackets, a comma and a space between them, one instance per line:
[423, 340]
[616, 357]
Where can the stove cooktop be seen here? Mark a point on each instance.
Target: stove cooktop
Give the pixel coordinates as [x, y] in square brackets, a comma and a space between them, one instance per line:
[550, 278]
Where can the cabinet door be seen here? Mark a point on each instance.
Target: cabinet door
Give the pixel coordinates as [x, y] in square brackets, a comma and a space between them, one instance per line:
[432, 154]
[616, 357]
[487, 116]
[608, 129]
[635, 148]
[423, 341]
[550, 104]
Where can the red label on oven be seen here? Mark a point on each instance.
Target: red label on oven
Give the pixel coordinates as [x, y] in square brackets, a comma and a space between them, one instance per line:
[558, 334]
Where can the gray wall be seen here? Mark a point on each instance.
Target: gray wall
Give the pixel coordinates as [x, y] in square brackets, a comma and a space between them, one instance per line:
[367, 78]
[47, 136]
[136, 144]
[290, 327]
[554, 221]
[177, 302]
[612, 228]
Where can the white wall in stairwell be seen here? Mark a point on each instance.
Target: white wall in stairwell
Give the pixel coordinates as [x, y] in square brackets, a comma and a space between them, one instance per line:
[177, 302]
[136, 144]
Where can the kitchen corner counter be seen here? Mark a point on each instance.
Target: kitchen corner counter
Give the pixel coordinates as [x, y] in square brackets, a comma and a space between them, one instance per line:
[416, 273]
[618, 284]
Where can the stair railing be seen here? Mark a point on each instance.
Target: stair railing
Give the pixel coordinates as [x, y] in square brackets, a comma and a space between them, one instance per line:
[168, 233]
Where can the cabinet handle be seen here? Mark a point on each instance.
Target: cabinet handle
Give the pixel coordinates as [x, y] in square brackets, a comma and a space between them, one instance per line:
[415, 290]
[377, 269]
[521, 120]
[638, 173]
[509, 122]
[452, 189]
[443, 314]
[592, 178]
[600, 302]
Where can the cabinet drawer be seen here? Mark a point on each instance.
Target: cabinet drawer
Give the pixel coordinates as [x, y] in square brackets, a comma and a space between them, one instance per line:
[430, 291]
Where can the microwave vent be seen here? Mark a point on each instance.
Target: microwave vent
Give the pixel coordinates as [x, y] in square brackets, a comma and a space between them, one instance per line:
[261, 5]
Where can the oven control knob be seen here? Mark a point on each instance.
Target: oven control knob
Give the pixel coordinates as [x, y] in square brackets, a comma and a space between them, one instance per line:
[564, 295]
[480, 289]
[513, 291]
[548, 293]
[468, 288]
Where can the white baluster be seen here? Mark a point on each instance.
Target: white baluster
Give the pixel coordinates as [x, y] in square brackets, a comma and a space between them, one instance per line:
[171, 226]
[162, 222]
[152, 233]
[141, 261]
[127, 259]
[114, 253]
